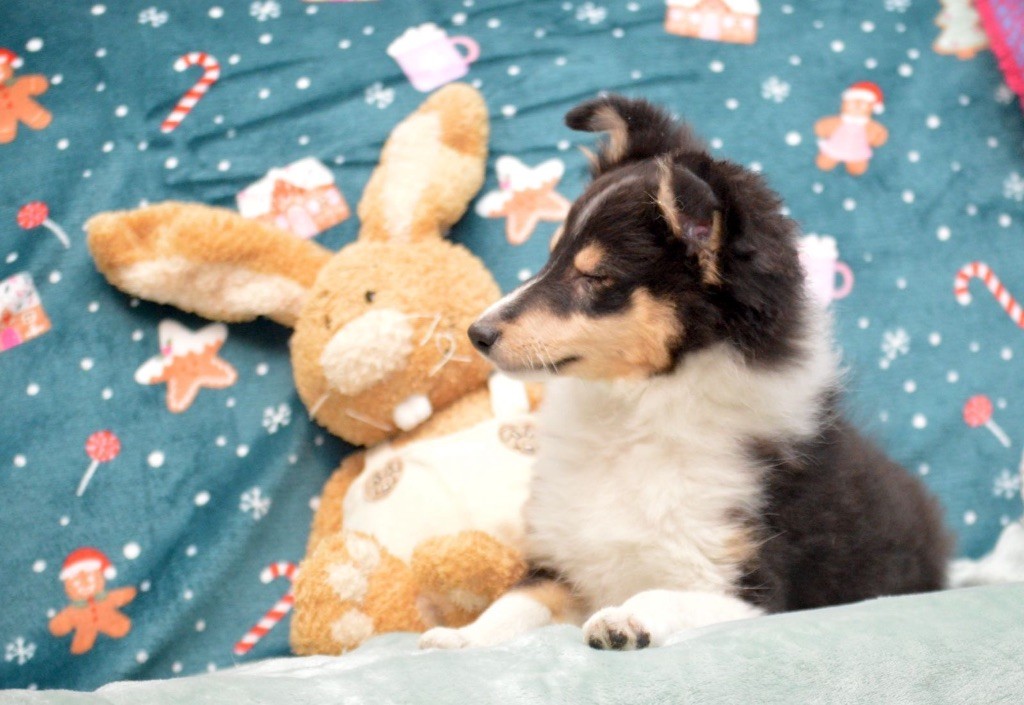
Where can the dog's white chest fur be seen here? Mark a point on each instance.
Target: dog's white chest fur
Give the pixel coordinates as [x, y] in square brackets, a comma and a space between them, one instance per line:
[645, 485]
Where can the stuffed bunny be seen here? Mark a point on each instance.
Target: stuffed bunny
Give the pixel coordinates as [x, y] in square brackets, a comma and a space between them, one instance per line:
[423, 528]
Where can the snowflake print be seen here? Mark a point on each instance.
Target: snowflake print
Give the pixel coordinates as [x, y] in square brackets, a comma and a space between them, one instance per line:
[897, 5]
[379, 96]
[894, 343]
[775, 89]
[153, 17]
[264, 10]
[589, 12]
[1003, 94]
[1006, 485]
[20, 651]
[274, 419]
[1013, 187]
[253, 502]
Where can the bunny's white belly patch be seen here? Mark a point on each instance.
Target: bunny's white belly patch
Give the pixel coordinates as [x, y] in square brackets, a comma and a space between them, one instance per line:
[476, 479]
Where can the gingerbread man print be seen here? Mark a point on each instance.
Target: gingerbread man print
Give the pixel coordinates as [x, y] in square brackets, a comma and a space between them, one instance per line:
[851, 136]
[16, 103]
[93, 609]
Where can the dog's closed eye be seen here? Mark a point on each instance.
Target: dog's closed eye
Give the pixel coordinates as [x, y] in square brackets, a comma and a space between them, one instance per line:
[597, 278]
[588, 265]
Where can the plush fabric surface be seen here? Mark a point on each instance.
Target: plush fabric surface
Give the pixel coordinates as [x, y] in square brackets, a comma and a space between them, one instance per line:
[961, 646]
[190, 507]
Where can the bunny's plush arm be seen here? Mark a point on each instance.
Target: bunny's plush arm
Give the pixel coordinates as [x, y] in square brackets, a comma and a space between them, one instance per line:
[205, 260]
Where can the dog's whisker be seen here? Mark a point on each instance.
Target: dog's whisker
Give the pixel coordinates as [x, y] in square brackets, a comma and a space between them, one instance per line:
[547, 353]
[528, 362]
[539, 350]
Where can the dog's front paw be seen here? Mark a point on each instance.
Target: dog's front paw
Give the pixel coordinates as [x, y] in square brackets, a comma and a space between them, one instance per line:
[616, 628]
[444, 638]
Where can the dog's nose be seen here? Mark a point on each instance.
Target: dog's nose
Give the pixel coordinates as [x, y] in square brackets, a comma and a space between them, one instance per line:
[483, 336]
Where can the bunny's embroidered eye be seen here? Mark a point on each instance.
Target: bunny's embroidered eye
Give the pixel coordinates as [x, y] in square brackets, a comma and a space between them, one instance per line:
[370, 296]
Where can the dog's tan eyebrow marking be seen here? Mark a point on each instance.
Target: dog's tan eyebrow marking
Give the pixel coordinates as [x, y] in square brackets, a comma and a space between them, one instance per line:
[587, 259]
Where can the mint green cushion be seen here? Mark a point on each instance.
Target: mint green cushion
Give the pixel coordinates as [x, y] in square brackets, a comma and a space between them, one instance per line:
[959, 646]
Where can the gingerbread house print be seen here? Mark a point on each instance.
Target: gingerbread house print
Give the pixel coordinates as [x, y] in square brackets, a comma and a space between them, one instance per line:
[21, 311]
[300, 198]
[716, 20]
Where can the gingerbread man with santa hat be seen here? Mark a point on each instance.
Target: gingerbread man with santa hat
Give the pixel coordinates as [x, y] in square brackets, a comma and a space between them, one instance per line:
[93, 609]
[16, 103]
[850, 136]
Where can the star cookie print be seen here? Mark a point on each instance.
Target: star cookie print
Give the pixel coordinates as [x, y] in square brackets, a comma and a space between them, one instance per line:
[525, 196]
[188, 362]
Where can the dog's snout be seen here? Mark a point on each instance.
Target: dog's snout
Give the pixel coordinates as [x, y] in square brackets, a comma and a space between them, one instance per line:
[483, 335]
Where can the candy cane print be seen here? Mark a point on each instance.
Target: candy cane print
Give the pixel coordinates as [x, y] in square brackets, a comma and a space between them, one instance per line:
[211, 72]
[983, 272]
[276, 613]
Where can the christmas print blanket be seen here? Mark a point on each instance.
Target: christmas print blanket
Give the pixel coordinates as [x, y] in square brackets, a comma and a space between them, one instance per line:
[149, 525]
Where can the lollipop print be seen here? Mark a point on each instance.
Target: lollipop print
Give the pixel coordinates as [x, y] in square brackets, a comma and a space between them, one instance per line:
[32, 215]
[978, 412]
[102, 447]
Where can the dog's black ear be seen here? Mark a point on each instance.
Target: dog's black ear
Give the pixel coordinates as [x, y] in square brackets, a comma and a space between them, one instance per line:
[636, 130]
[693, 214]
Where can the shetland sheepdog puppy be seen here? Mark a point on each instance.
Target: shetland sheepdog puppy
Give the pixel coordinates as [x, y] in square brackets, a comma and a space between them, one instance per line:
[694, 465]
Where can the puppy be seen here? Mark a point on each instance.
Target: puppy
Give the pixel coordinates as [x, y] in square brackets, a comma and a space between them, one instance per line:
[694, 466]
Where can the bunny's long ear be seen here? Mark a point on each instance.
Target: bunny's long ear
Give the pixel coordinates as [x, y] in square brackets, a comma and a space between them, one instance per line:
[208, 261]
[430, 168]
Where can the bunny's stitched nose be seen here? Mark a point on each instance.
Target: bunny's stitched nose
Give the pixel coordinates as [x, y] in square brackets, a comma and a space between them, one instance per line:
[483, 335]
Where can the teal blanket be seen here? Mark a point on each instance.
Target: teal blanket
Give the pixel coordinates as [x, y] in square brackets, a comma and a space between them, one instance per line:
[178, 513]
[962, 646]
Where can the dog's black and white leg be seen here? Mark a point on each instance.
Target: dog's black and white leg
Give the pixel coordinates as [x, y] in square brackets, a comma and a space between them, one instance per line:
[522, 609]
[649, 618]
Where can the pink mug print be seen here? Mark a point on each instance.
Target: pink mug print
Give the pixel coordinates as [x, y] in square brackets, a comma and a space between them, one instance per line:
[819, 256]
[9, 336]
[430, 58]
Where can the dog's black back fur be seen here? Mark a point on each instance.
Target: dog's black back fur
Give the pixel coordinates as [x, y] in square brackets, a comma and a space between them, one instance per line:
[842, 523]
